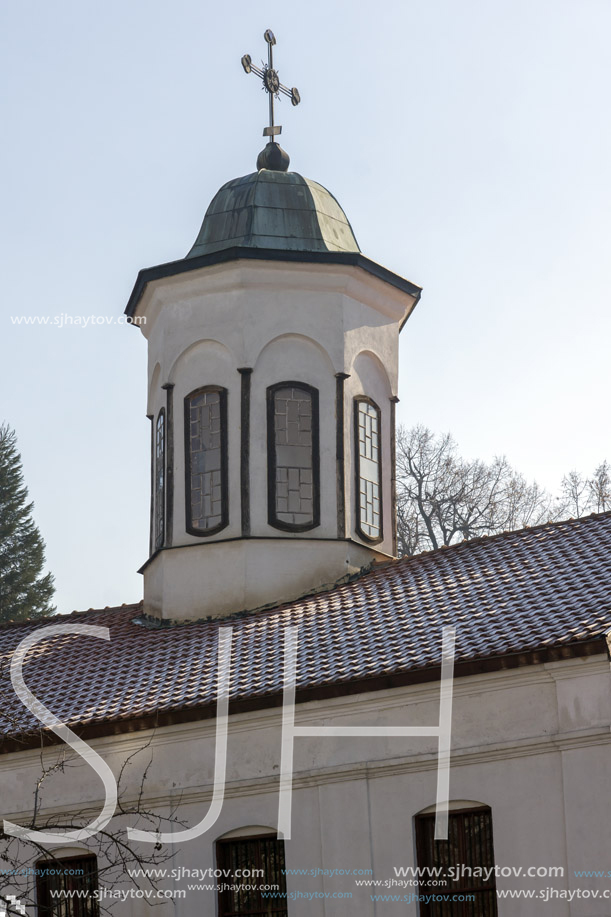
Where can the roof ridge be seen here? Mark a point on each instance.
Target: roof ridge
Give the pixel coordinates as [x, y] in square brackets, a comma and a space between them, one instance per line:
[486, 539]
[527, 601]
[373, 571]
[59, 618]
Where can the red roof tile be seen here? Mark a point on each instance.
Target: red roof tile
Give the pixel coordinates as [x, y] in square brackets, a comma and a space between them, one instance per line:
[513, 593]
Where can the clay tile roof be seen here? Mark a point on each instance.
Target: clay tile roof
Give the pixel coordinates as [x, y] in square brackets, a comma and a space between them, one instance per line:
[533, 591]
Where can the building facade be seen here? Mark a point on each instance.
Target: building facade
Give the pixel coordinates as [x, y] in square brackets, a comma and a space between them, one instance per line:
[273, 376]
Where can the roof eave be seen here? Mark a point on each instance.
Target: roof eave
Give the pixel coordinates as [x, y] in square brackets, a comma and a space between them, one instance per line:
[481, 665]
[184, 265]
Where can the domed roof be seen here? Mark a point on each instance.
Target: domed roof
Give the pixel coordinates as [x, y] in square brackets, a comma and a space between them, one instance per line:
[274, 209]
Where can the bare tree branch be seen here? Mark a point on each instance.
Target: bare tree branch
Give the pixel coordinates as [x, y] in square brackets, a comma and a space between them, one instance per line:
[118, 860]
[443, 498]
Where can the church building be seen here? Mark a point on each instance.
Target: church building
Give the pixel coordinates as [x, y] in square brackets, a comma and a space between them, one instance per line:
[319, 720]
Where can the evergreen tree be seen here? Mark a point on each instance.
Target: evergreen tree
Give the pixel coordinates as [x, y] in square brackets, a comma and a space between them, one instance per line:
[24, 593]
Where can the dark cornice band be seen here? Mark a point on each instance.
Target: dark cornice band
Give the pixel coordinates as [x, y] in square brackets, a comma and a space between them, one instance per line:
[185, 265]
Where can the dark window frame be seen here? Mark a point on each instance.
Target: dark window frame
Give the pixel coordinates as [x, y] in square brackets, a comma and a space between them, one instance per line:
[485, 892]
[67, 907]
[191, 529]
[159, 514]
[364, 399]
[269, 906]
[272, 460]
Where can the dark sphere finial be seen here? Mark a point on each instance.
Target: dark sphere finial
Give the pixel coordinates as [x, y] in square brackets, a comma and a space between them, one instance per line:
[273, 157]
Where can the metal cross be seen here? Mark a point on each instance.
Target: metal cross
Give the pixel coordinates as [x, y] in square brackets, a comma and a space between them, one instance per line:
[271, 83]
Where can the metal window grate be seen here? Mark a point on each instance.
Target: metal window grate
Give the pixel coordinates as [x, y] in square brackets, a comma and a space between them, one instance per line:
[470, 844]
[264, 853]
[77, 874]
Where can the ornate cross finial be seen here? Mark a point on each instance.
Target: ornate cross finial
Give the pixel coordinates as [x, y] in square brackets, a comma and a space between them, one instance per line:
[273, 87]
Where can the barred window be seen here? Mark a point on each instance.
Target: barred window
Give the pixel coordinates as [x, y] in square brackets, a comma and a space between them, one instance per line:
[293, 460]
[77, 875]
[160, 479]
[367, 423]
[206, 460]
[250, 895]
[469, 845]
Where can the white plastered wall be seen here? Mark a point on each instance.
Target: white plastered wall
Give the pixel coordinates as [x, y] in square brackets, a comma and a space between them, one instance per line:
[515, 741]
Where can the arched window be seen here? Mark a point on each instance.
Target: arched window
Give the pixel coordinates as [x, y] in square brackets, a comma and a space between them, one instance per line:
[470, 844]
[65, 886]
[293, 460]
[159, 480]
[252, 861]
[367, 424]
[206, 460]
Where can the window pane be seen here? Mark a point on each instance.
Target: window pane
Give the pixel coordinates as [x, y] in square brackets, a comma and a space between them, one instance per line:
[160, 479]
[469, 845]
[294, 499]
[206, 428]
[78, 874]
[249, 896]
[369, 472]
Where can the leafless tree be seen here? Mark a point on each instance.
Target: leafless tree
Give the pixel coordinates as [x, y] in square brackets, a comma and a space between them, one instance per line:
[599, 487]
[443, 498]
[582, 495]
[118, 860]
[575, 497]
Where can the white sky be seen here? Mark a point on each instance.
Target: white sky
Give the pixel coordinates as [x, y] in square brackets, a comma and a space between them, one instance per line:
[469, 143]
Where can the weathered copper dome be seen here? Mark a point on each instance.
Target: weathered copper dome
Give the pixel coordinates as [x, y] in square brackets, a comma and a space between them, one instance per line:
[274, 209]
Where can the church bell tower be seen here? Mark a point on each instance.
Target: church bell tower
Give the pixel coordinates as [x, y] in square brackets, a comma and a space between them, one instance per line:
[273, 363]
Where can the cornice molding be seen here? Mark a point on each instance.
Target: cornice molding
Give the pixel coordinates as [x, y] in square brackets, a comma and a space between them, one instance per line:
[366, 770]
